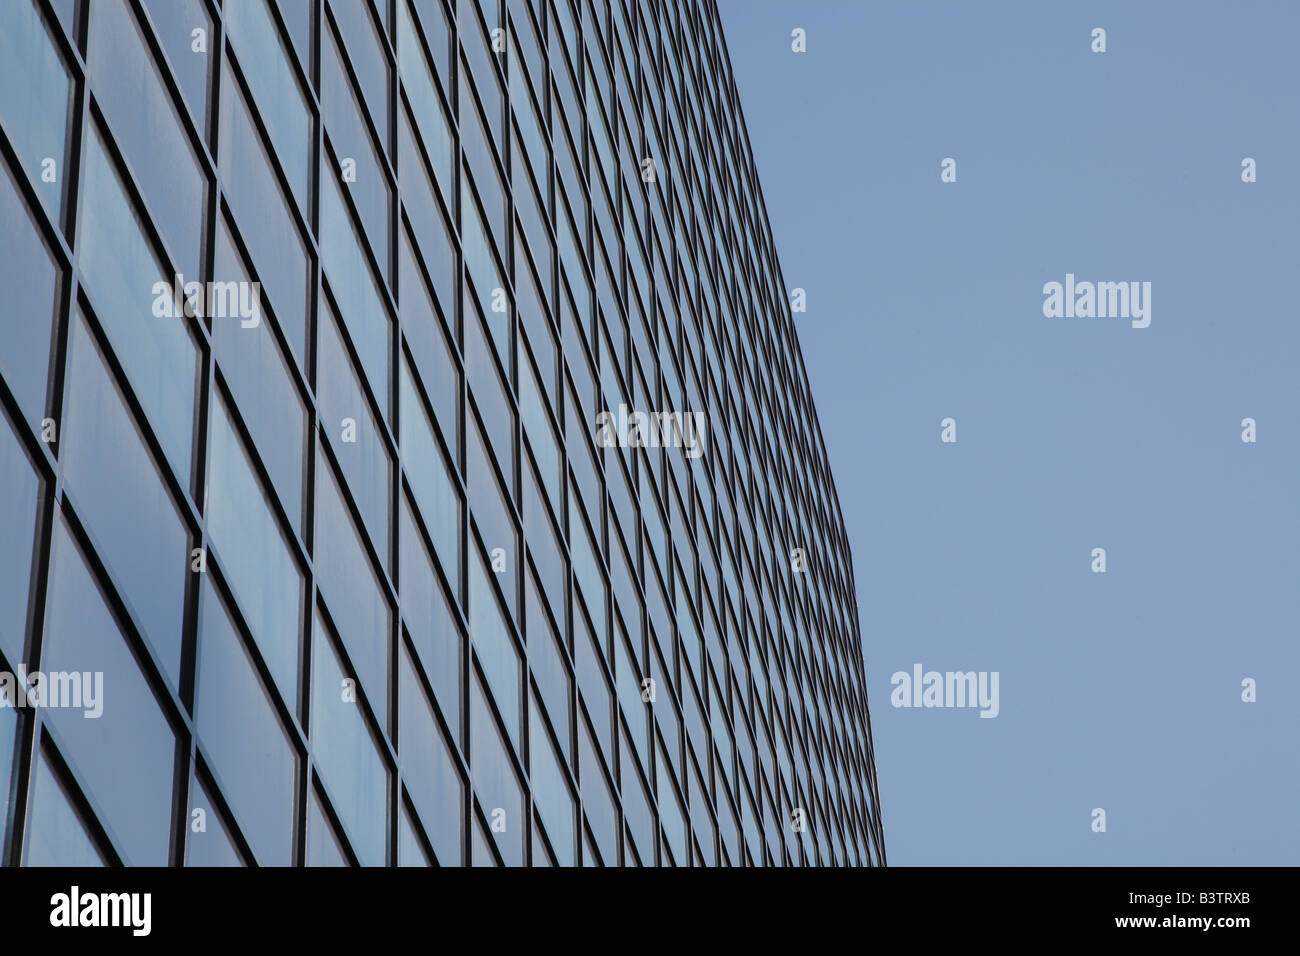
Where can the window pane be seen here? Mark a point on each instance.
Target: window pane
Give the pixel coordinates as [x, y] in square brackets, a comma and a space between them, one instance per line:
[351, 141]
[56, 835]
[119, 265]
[354, 435]
[116, 489]
[322, 843]
[262, 385]
[174, 21]
[243, 738]
[497, 654]
[19, 489]
[346, 757]
[145, 125]
[551, 793]
[30, 280]
[365, 50]
[432, 349]
[212, 845]
[353, 285]
[431, 480]
[434, 127]
[126, 755]
[351, 589]
[428, 769]
[8, 740]
[410, 852]
[256, 559]
[495, 782]
[489, 287]
[267, 226]
[427, 612]
[265, 62]
[35, 96]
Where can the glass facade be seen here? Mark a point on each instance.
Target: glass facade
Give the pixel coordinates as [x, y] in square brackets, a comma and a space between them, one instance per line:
[312, 311]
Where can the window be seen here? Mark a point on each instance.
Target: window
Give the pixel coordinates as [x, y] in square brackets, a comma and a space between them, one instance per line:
[323, 847]
[426, 104]
[354, 435]
[241, 734]
[130, 91]
[19, 489]
[255, 558]
[432, 350]
[175, 22]
[115, 486]
[261, 209]
[30, 280]
[354, 288]
[262, 385]
[429, 618]
[350, 765]
[495, 647]
[432, 484]
[56, 835]
[495, 780]
[127, 754]
[352, 590]
[352, 144]
[35, 97]
[550, 790]
[120, 267]
[428, 768]
[365, 50]
[265, 63]
[211, 846]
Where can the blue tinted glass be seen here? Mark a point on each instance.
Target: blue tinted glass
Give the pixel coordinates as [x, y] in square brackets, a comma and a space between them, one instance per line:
[353, 284]
[144, 122]
[262, 384]
[262, 56]
[365, 50]
[243, 739]
[262, 212]
[322, 842]
[212, 845]
[433, 235]
[18, 499]
[115, 487]
[428, 769]
[30, 281]
[346, 757]
[489, 287]
[127, 286]
[409, 850]
[56, 835]
[427, 612]
[431, 480]
[175, 22]
[495, 781]
[8, 734]
[497, 654]
[354, 435]
[257, 561]
[551, 793]
[351, 589]
[35, 96]
[430, 117]
[432, 349]
[352, 144]
[126, 754]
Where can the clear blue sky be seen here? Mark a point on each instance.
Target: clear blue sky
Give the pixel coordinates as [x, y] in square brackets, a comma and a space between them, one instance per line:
[1119, 690]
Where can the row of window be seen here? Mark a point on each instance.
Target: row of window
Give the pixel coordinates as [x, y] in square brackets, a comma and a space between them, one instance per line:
[389, 474]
